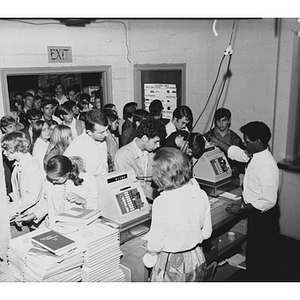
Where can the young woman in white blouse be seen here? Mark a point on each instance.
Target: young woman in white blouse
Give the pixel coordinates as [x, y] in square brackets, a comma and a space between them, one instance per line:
[67, 185]
[181, 220]
[41, 135]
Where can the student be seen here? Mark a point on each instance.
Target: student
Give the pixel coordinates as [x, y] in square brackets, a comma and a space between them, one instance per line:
[66, 114]
[91, 145]
[28, 102]
[156, 109]
[8, 124]
[182, 119]
[66, 186]
[139, 115]
[33, 115]
[128, 126]
[259, 198]
[17, 106]
[41, 136]
[71, 93]
[37, 102]
[110, 107]
[60, 139]
[192, 144]
[59, 93]
[27, 178]
[181, 220]
[222, 131]
[138, 154]
[112, 139]
[47, 109]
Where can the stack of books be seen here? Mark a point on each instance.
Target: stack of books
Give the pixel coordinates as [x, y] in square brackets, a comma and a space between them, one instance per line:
[45, 255]
[102, 253]
[6, 273]
[76, 218]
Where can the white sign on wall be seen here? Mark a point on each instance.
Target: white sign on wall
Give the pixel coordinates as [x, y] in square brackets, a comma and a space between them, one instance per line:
[166, 93]
[59, 54]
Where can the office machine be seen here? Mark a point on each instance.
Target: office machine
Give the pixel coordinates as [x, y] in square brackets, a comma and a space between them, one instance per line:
[123, 202]
[212, 170]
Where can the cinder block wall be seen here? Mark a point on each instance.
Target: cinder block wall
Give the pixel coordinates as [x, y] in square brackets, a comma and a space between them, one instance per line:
[258, 89]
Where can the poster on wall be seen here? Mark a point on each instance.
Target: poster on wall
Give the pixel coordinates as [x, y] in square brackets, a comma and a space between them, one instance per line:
[166, 93]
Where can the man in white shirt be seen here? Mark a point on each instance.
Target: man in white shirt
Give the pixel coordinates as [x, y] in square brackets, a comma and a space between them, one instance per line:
[259, 201]
[182, 117]
[138, 154]
[91, 144]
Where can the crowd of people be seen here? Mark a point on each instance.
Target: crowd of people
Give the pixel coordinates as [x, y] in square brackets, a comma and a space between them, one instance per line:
[55, 145]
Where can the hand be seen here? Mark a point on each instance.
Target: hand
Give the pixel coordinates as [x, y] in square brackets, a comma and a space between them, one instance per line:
[24, 218]
[74, 198]
[234, 209]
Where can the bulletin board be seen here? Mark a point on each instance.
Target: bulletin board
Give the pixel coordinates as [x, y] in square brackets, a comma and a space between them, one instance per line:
[164, 82]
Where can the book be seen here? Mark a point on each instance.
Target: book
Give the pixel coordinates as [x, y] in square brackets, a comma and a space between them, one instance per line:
[237, 260]
[79, 215]
[54, 242]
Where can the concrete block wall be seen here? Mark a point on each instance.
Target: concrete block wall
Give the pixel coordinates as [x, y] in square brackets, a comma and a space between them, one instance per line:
[261, 62]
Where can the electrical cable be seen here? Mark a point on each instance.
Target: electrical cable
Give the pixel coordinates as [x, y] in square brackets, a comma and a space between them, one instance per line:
[96, 22]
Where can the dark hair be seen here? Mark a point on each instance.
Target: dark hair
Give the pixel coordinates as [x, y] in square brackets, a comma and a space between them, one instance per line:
[61, 165]
[7, 120]
[82, 116]
[129, 109]
[108, 107]
[37, 97]
[257, 130]
[71, 88]
[46, 102]
[85, 96]
[17, 101]
[171, 168]
[151, 127]
[196, 144]
[155, 107]
[16, 141]
[221, 113]
[37, 128]
[66, 107]
[76, 87]
[34, 113]
[29, 95]
[56, 84]
[95, 116]
[82, 103]
[139, 115]
[111, 117]
[18, 94]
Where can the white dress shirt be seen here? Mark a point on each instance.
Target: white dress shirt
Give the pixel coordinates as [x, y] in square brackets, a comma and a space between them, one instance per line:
[93, 153]
[261, 178]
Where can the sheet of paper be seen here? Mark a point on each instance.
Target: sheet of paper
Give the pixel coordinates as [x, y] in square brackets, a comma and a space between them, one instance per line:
[230, 196]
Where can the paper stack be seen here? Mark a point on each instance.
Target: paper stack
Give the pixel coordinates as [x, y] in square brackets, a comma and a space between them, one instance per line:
[6, 273]
[75, 219]
[102, 253]
[31, 262]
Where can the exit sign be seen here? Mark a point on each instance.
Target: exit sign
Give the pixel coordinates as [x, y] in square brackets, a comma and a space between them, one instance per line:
[59, 54]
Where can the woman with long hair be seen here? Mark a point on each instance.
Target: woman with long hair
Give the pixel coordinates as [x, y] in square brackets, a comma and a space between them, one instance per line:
[67, 186]
[181, 220]
[60, 139]
[41, 136]
[112, 139]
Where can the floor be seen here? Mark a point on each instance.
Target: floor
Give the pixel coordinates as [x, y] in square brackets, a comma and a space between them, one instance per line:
[287, 268]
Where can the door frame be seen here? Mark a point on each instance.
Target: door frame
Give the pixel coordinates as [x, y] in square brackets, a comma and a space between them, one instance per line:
[105, 69]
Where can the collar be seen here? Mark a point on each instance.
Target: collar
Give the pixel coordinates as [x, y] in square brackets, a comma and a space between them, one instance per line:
[139, 152]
